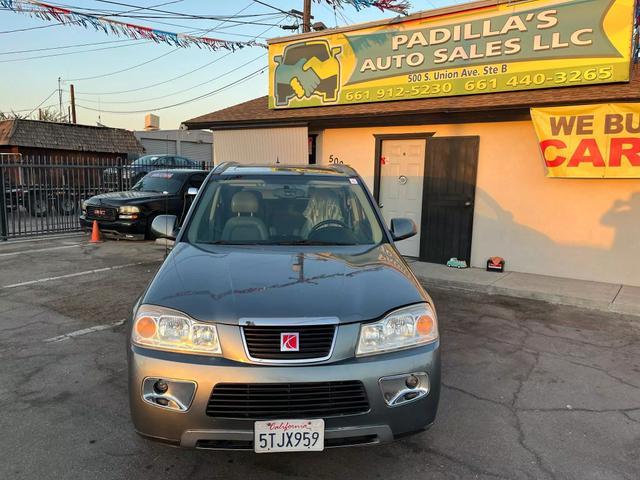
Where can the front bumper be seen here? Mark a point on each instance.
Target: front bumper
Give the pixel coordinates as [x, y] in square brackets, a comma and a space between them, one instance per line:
[130, 229]
[193, 428]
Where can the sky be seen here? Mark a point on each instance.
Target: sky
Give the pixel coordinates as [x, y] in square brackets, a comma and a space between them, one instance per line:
[141, 76]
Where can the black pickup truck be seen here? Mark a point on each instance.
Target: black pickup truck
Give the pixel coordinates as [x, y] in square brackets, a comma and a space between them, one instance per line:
[129, 214]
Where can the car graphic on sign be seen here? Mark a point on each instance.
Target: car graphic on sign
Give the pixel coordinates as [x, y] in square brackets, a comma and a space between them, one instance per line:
[305, 70]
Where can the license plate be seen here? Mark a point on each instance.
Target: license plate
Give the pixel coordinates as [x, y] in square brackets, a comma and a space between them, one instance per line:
[289, 436]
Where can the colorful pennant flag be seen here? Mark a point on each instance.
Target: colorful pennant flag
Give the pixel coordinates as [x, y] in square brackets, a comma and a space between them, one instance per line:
[398, 6]
[45, 11]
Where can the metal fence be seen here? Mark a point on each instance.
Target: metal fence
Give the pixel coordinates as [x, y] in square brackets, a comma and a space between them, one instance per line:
[43, 194]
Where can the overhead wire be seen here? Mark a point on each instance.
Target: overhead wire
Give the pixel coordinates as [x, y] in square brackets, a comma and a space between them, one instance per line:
[165, 107]
[146, 87]
[134, 43]
[39, 105]
[93, 77]
[184, 15]
[62, 47]
[228, 72]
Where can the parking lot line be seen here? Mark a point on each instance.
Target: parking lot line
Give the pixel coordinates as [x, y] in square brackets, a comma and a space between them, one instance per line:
[42, 238]
[10, 254]
[77, 274]
[84, 331]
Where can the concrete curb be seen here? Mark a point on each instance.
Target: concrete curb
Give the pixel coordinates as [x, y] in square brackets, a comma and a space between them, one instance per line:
[625, 308]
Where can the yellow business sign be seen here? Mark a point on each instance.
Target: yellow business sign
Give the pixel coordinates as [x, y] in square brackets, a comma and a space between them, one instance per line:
[590, 141]
[510, 46]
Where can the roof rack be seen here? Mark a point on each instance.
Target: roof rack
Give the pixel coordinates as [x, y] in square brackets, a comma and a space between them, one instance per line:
[346, 169]
[223, 166]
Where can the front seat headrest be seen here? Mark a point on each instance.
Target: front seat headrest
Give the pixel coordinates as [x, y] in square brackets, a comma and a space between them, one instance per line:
[244, 202]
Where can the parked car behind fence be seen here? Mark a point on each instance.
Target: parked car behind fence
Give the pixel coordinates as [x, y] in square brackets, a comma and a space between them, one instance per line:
[43, 194]
[128, 175]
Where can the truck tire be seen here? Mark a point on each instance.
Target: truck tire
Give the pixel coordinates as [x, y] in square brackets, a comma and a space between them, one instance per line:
[67, 205]
[37, 206]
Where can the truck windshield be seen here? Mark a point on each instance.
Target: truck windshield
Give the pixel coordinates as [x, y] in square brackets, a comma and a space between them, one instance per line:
[159, 182]
[284, 210]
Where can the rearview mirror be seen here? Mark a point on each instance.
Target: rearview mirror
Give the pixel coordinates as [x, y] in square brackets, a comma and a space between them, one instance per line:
[164, 226]
[402, 228]
[192, 191]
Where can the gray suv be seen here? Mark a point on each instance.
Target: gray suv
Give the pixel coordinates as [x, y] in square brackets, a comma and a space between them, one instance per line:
[284, 319]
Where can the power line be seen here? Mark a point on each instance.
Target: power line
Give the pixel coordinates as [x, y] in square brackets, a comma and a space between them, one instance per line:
[33, 110]
[208, 94]
[63, 47]
[131, 44]
[70, 23]
[32, 28]
[180, 91]
[201, 67]
[271, 6]
[184, 15]
[124, 69]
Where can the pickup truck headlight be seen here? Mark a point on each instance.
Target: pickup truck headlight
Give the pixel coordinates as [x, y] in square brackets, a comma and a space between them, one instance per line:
[400, 329]
[165, 329]
[128, 212]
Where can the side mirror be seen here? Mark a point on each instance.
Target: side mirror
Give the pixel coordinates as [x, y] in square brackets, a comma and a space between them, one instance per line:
[277, 59]
[402, 228]
[192, 191]
[164, 226]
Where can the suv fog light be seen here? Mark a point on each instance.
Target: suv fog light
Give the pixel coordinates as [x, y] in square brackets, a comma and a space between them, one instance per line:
[401, 389]
[169, 394]
[160, 387]
[412, 381]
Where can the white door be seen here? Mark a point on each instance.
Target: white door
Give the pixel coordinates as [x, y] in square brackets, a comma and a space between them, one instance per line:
[401, 183]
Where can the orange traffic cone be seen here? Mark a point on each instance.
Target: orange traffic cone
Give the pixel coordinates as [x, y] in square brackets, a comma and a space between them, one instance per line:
[95, 233]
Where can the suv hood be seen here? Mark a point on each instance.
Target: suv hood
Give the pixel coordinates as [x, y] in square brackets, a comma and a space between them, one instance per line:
[116, 199]
[225, 284]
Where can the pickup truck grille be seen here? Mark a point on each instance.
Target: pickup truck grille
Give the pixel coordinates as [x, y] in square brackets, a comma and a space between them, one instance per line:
[101, 213]
[287, 400]
[263, 342]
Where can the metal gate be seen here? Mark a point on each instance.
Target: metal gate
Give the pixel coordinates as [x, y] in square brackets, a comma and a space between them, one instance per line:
[43, 194]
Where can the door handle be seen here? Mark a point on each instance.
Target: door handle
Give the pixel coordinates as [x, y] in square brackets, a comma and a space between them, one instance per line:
[467, 203]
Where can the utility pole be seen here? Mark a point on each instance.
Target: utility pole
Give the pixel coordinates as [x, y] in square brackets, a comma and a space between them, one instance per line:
[60, 98]
[73, 104]
[306, 16]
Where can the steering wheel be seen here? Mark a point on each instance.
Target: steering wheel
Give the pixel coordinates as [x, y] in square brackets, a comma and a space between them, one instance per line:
[324, 223]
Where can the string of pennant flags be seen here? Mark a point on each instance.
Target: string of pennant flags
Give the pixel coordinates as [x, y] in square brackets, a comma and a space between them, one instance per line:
[636, 33]
[65, 16]
[398, 6]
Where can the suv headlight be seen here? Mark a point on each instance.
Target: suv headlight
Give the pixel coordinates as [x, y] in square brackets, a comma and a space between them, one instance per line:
[128, 212]
[129, 209]
[165, 329]
[403, 328]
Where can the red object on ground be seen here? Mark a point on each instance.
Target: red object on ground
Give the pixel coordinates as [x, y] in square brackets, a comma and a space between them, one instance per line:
[95, 233]
[495, 264]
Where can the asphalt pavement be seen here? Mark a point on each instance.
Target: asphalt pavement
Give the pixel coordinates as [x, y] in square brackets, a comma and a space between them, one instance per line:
[531, 390]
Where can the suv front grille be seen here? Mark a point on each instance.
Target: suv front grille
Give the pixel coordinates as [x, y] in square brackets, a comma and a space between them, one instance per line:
[263, 342]
[287, 400]
[101, 213]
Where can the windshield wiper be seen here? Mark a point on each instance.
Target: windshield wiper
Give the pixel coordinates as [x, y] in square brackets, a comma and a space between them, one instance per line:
[313, 242]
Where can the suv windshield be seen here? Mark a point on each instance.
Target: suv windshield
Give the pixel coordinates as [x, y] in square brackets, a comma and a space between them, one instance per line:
[159, 182]
[284, 210]
[146, 160]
